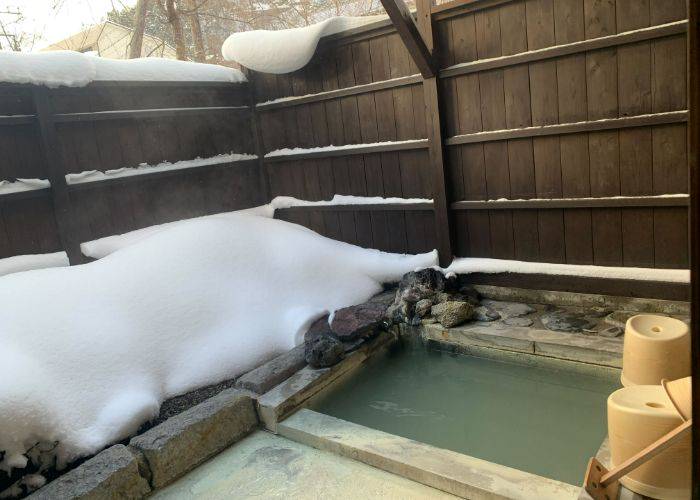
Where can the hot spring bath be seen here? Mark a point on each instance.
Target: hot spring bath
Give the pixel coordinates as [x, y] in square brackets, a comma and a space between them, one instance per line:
[543, 420]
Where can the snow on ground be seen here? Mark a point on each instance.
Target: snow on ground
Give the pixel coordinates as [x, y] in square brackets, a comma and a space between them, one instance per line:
[21, 263]
[109, 244]
[325, 149]
[144, 168]
[199, 303]
[73, 69]
[470, 265]
[21, 185]
[284, 51]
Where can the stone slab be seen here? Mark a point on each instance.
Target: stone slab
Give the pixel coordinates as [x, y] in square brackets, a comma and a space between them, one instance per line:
[570, 346]
[290, 394]
[267, 466]
[113, 473]
[583, 300]
[452, 472]
[184, 441]
[268, 375]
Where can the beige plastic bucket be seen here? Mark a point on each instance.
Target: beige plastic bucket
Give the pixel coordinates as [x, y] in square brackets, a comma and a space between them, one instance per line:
[638, 416]
[656, 348]
[680, 392]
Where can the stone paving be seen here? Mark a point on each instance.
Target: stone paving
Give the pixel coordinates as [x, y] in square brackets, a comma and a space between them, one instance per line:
[272, 467]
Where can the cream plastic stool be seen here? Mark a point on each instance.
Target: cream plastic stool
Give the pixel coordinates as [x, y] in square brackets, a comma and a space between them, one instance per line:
[638, 416]
[656, 348]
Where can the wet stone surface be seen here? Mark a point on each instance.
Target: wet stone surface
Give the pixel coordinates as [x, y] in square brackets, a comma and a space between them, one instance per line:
[567, 321]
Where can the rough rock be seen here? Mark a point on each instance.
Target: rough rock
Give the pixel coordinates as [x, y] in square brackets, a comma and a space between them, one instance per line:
[418, 285]
[265, 377]
[323, 351]
[518, 321]
[470, 294]
[598, 312]
[611, 332]
[484, 313]
[385, 298]
[566, 321]
[113, 473]
[318, 328]
[182, 442]
[360, 321]
[452, 313]
[423, 307]
[428, 321]
[508, 309]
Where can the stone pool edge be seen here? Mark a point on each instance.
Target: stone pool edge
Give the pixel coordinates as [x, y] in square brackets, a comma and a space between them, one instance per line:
[449, 471]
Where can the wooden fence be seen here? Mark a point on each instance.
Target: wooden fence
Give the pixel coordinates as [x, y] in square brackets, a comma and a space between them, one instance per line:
[571, 113]
[48, 133]
[562, 125]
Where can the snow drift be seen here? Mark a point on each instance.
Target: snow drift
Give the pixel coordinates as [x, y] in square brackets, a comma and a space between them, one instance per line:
[287, 50]
[101, 247]
[73, 69]
[201, 302]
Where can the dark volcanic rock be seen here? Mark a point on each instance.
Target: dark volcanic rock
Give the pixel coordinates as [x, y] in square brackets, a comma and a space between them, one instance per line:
[360, 321]
[566, 321]
[452, 313]
[418, 285]
[318, 328]
[323, 351]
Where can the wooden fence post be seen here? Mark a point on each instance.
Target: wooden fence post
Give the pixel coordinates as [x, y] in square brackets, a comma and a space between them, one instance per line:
[65, 220]
[257, 139]
[420, 42]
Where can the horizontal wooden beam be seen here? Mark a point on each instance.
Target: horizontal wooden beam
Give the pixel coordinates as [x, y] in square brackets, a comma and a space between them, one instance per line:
[609, 202]
[369, 207]
[344, 92]
[628, 37]
[361, 33]
[461, 7]
[600, 286]
[116, 181]
[125, 114]
[24, 195]
[355, 150]
[571, 128]
[17, 119]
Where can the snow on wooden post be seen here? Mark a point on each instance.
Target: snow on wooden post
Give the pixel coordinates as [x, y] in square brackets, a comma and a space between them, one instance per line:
[56, 174]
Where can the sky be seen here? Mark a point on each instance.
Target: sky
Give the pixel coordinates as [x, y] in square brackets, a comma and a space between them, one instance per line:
[55, 20]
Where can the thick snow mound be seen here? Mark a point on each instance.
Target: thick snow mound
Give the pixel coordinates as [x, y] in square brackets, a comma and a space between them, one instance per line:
[73, 69]
[199, 303]
[468, 265]
[19, 263]
[287, 50]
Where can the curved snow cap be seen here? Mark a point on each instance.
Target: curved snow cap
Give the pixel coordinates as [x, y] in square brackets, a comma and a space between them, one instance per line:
[287, 50]
[73, 69]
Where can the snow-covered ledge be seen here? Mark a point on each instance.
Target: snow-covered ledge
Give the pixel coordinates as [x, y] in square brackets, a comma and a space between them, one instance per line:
[346, 149]
[469, 265]
[74, 69]
[144, 169]
[23, 185]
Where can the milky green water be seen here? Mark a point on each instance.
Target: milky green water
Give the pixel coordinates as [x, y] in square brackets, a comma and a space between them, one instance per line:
[545, 421]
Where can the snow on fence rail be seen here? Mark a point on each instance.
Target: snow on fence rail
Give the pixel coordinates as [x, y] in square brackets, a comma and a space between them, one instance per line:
[74, 69]
[90, 176]
[23, 185]
[19, 263]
